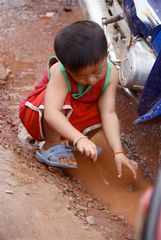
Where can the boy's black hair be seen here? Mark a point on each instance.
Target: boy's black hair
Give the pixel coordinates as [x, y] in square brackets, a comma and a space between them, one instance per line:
[80, 44]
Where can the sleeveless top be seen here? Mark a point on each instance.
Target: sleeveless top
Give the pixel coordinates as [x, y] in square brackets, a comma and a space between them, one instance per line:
[75, 90]
[90, 93]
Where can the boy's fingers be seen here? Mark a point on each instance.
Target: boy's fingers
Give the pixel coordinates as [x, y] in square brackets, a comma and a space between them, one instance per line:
[132, 167]
[119, 169]
[135, 164]
[94, 155]
[88, 153]
[94, 158]
[81, 150]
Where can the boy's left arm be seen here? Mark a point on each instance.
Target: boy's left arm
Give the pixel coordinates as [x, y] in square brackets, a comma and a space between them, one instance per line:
[110, 125]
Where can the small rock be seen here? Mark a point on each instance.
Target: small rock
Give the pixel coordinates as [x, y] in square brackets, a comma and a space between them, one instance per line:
[132, 187]
[90, 220]
[121, 217]
[86, 228]
[114, 217]
[102, 228]
[4, 71]
[49, 14]
[106, 211]
[81, 214]
[9, 192]
[68, 207]
[101, 208]
[6, 146]
[129, 236]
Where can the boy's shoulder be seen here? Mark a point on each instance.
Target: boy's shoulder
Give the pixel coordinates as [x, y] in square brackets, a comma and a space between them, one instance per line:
[114, 79]
[56, 75]
[55, 68]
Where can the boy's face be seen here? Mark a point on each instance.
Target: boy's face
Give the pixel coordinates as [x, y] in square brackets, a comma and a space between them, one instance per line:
[90, 75]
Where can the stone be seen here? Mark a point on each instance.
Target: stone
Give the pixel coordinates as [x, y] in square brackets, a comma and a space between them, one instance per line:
[90, 220]
[4, 71]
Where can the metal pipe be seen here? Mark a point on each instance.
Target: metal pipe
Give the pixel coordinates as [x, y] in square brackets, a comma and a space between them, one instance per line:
[113, 19]
[94, 10]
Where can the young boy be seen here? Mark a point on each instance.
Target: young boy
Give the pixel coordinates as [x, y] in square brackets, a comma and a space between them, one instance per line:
[76, 95]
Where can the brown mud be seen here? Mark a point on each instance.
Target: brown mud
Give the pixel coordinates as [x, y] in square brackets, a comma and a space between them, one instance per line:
[28, 187]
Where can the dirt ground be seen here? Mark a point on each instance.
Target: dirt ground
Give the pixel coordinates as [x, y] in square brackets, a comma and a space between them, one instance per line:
[38, 202]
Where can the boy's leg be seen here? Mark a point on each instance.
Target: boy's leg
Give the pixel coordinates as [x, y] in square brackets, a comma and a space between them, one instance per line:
[51, 137]
[93, 133]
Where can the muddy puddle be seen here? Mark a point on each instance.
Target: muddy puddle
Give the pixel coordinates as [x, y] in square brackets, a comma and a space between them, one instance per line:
[25, 51]
[100, 178]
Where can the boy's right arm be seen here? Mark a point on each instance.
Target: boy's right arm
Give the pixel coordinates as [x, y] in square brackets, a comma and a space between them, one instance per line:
[56, 93]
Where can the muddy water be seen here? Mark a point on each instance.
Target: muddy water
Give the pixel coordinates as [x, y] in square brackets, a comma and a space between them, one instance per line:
[100, 178]
[25, 51]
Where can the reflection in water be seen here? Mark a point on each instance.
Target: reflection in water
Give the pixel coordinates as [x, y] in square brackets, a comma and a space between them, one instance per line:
[103, 174]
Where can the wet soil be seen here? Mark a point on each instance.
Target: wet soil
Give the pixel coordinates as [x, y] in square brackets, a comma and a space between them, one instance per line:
[32, 207]
[26, 41]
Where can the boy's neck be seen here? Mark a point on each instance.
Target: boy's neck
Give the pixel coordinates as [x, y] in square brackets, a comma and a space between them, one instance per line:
[84, 86]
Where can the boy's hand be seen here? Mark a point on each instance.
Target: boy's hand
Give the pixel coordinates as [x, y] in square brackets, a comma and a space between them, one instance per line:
[87, 147]
[121, 159]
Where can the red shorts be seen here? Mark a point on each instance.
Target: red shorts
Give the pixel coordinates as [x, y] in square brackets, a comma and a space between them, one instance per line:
[83, 116]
